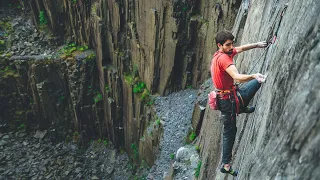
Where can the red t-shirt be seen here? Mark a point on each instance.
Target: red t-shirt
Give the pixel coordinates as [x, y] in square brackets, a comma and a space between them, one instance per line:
[220, 62]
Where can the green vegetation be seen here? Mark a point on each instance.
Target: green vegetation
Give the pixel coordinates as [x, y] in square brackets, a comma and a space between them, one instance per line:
[119, 53]
[76, 136]
[131, 166]
[100, 141]
[184, 8]
[107, 88]
[128, 78]
[197, 173]
[135, 70]
[139, 87]
[42, 18]
[89, 90]
[135, 151]
[145, 94]
[158, 122]
[31, 102]
[8, 71]
[14, 4]
[172, 156]
[8, 55]
[97, 98]
[82, 48]
[197, 148]
[74, 1]
[91, 57]
[6, 26]
[192, 136]
[69, 49]
[122, 151]
[61, 99]
[106, 142]
[143, 164]
[136, 177]
[21, 126]
[151, 101]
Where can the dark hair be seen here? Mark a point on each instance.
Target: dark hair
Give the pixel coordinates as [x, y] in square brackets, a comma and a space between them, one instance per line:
[223, 36]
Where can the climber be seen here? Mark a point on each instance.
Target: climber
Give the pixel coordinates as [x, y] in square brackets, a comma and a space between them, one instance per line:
[232, 100]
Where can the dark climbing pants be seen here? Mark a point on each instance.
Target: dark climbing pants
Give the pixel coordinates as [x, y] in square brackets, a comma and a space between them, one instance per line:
[228, 116]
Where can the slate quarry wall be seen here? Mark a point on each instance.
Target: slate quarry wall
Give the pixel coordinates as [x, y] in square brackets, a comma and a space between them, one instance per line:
[141, 48]
[168, 46]
[281, 139]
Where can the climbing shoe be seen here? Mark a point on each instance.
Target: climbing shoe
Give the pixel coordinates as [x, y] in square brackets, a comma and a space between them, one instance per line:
[248, 110]
[230, 171]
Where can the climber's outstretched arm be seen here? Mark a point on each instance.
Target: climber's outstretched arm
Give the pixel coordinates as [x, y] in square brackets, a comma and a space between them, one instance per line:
[246, 47]
[233, 72]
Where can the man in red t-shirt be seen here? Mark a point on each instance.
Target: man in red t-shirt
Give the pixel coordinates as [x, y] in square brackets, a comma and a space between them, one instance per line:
[224, 73]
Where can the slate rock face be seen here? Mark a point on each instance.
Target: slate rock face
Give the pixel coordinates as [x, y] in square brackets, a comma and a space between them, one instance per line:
[33, 157]
[281, 139]
[167, 45]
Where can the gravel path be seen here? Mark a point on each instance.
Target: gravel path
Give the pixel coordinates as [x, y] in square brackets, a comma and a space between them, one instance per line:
[175, 111]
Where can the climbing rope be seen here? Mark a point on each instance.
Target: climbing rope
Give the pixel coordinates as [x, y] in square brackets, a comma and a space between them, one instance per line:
[272, 37]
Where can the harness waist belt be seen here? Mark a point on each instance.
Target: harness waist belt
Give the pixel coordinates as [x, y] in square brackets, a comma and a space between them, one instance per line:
[227, 94]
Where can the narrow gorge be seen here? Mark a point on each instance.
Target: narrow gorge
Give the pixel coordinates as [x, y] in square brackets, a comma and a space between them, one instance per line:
[117, 89]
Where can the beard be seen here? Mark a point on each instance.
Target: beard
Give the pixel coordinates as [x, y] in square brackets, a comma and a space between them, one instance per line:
[229, 52]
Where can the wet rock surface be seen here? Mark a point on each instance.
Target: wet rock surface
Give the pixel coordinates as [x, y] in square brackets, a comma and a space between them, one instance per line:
[30, 156]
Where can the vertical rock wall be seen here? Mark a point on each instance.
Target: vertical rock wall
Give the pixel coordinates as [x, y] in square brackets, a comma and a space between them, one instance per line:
[167, 45]
[280, 140]
[52, 94]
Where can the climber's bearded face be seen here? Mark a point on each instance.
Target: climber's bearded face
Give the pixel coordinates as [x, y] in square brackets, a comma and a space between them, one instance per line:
[227, 47]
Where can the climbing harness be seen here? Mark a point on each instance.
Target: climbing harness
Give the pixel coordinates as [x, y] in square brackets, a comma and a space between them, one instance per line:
[231, 95]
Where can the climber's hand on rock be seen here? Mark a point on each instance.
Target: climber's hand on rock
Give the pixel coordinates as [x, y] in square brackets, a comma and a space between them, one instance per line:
[261, 44]
[260, 77]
